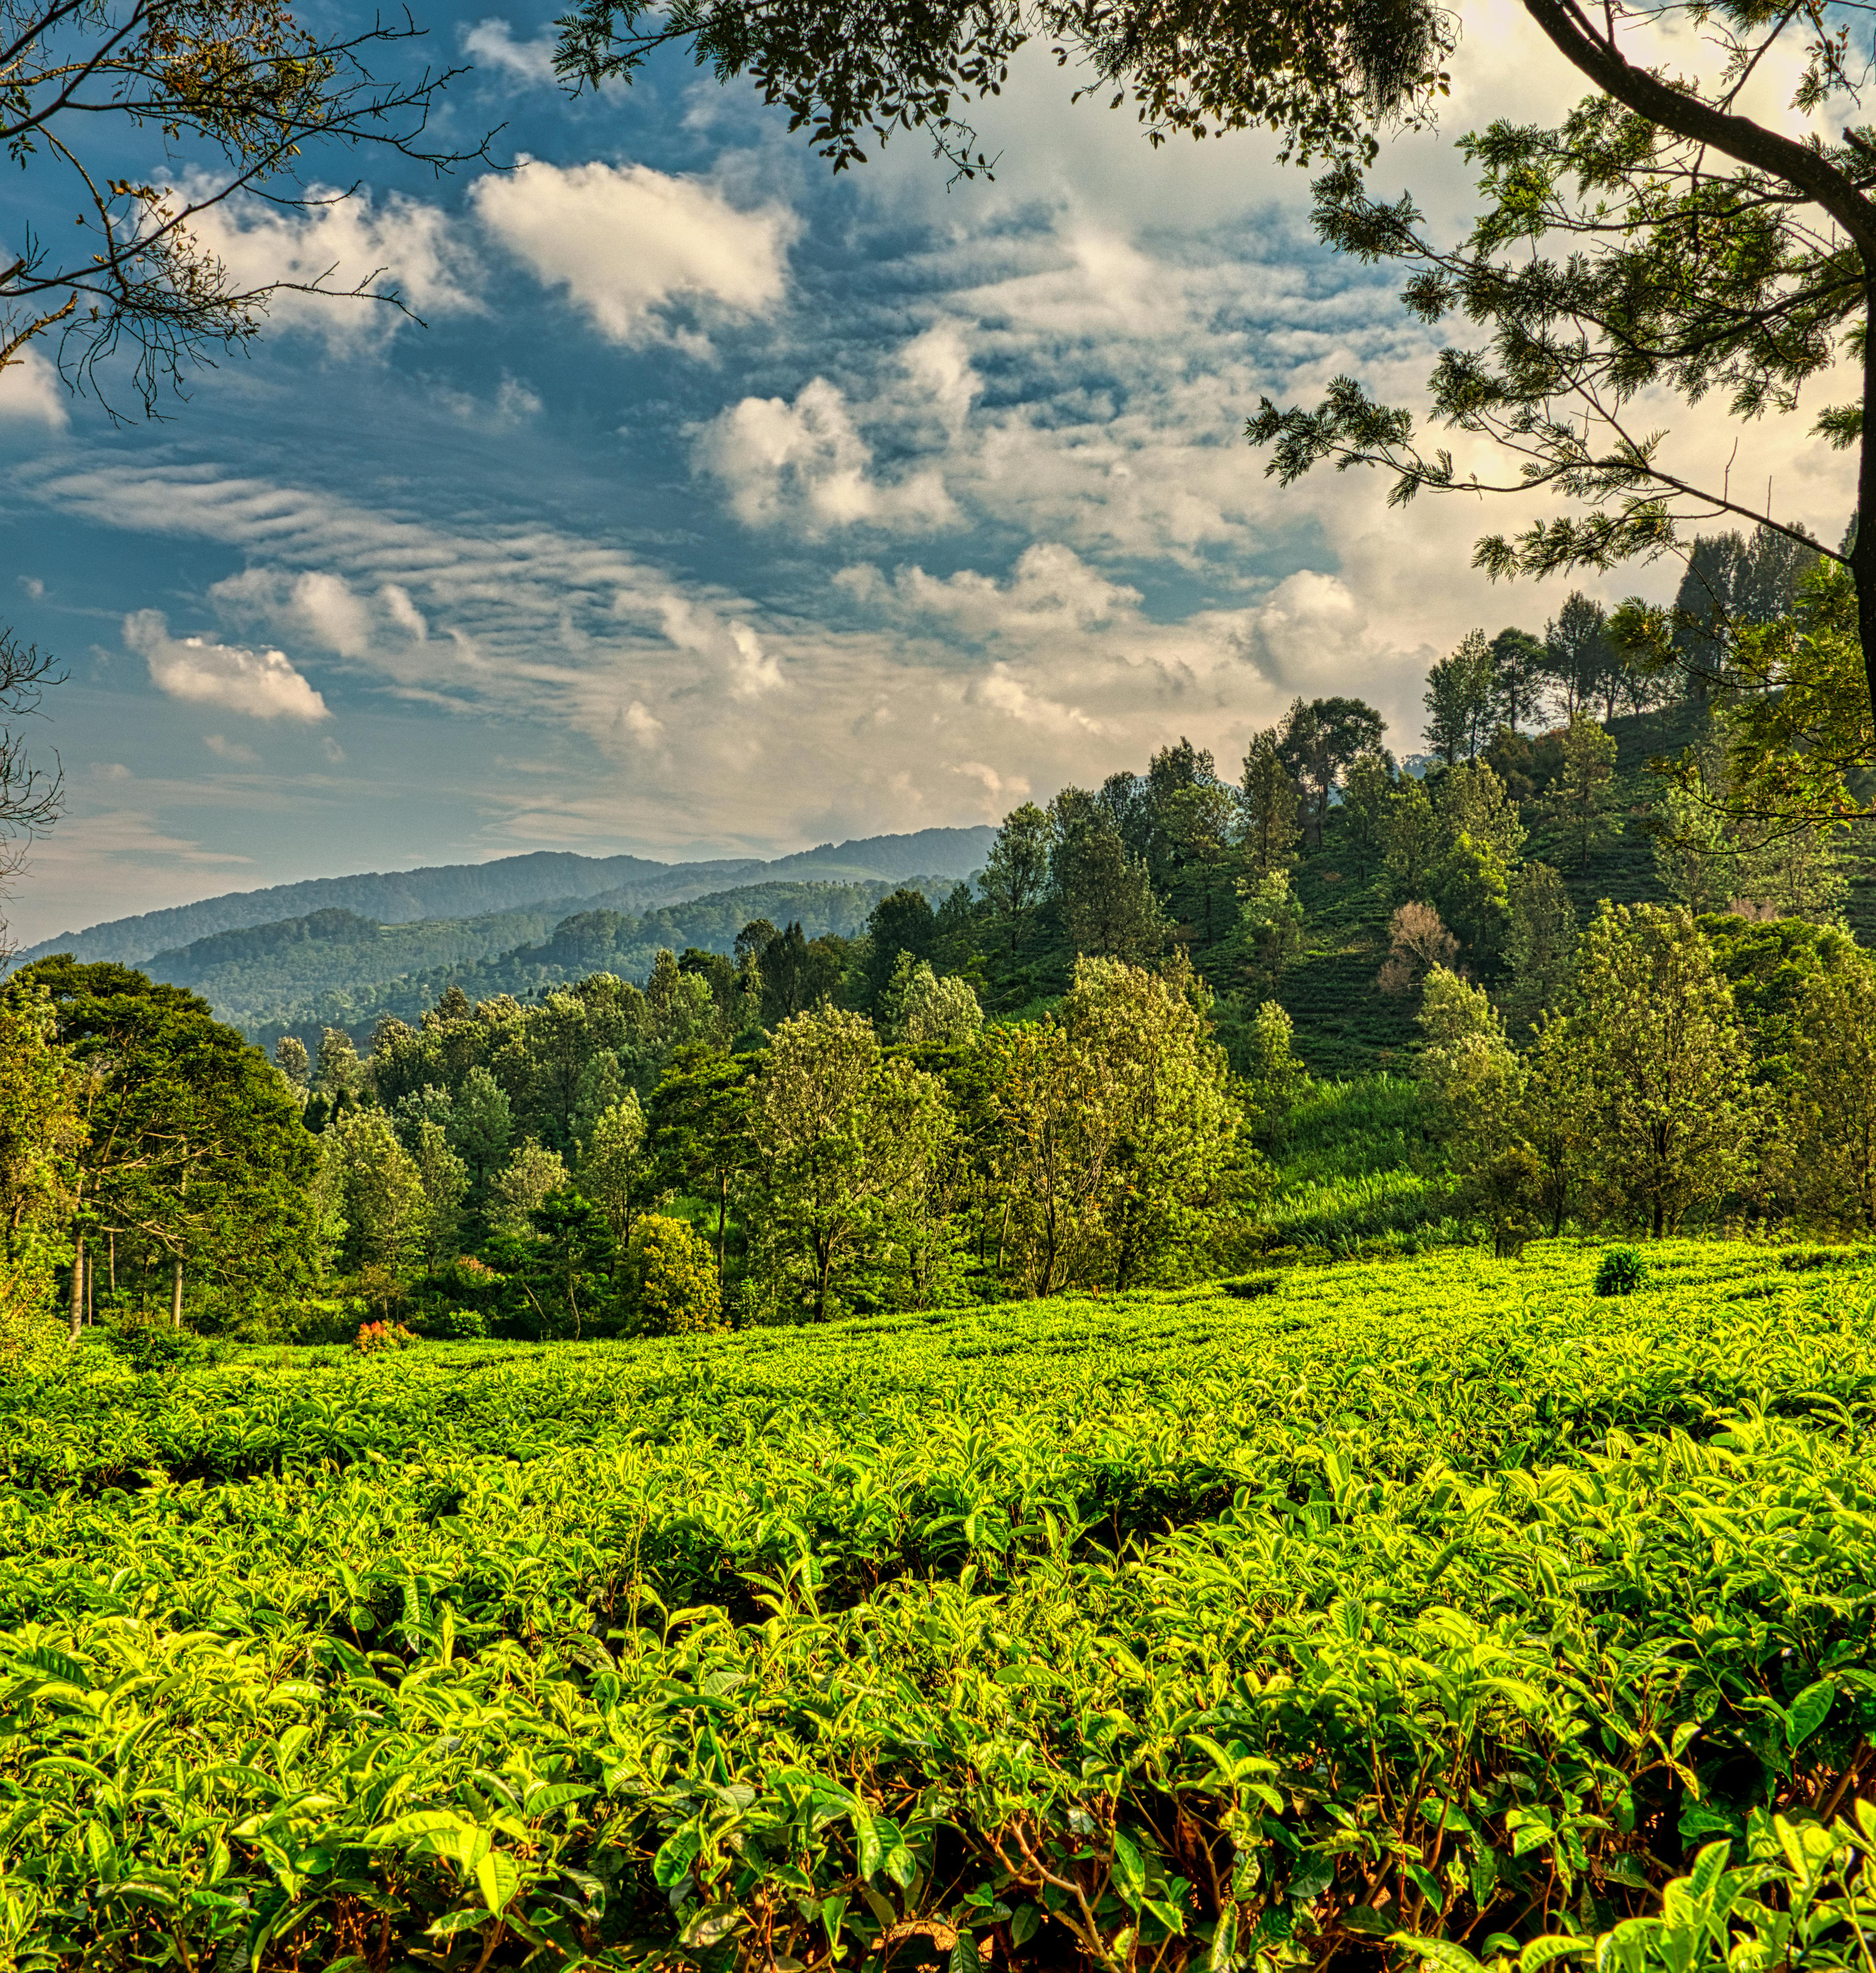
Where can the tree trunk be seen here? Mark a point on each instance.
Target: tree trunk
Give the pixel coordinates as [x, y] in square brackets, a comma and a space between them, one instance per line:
[175, 1293]
[91, 1290]
[111, 1261]
[78, 1284]
[1863, 548]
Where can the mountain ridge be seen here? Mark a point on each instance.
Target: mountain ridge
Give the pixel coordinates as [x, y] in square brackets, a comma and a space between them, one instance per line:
[558, 881]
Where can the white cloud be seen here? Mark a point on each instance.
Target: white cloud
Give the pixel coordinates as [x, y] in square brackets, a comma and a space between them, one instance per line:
[513, 403]
[748, 671]
[32, 585]
[225, 749]
[30, 392]
[493, 42]
[805, 463]
[318, 607]
[262, 684]
[1009, 696]
[1050, 590]
[403, 612]
[628, 245]
[398, 245]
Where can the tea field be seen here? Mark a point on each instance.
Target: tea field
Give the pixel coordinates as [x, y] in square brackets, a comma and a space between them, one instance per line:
[1436, 1611]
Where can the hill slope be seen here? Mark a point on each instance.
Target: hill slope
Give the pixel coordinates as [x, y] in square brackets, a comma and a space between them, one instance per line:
[544, 881]
[1344, 1026]
[335, 969]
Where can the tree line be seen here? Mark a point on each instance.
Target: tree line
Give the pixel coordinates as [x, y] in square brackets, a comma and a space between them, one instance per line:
[1072, 1071]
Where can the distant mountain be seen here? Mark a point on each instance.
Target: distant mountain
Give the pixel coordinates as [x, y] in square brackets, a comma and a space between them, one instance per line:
[332, 968]
[550, 881]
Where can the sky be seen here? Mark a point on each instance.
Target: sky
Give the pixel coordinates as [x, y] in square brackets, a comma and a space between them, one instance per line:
[721, 505]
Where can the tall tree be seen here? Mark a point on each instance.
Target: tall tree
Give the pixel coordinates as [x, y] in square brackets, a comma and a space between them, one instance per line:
[532, 1173]
[1272, 800]
[1830, 1107]
[846, 1144]
[1459, 700]
[1368, 793]
[1104, 894]
[387, 1216]
[1163, 1083]
[1695, 856]
[1582, 800]
[1579, 660]
[1516, 676]
[1540, 953]
[615, 1171]
[481, 1123]
[1667, 1062]
[1411, 839]
[195, 1155]
[696, 1129]
[444, 1178]
[1731, 582]
[1016, 873]
[798, 972]
[1318, 740]
[902, 922]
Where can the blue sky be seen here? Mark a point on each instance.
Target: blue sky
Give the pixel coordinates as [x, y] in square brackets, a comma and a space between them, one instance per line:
[724, 506]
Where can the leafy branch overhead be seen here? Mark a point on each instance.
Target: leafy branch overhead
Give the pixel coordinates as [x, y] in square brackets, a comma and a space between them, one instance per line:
[1320, 75]
[255, 92]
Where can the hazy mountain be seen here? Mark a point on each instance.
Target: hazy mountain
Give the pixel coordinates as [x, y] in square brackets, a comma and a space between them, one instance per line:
[333, 968]
[544, 882]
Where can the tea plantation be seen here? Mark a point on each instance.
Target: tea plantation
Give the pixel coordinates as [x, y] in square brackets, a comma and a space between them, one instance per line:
[1436, 1611]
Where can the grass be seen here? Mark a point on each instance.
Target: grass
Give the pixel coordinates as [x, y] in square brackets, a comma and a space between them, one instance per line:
[1435, 1598]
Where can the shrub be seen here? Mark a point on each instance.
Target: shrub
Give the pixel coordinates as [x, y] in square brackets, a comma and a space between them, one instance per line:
[376, 1337]
[1623, 1270]
[456, 1325]
[150, 1346]
[671, 1279]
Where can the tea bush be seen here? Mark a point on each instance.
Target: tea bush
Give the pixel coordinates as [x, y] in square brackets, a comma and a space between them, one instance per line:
[1622, 1270]
[1432, 1611]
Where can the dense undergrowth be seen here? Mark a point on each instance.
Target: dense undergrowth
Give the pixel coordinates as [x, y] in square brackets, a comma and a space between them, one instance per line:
[1426, 1609]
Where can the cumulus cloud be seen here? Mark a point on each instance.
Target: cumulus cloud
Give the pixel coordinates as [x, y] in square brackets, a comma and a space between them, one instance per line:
[396, 245]
[233, 751]
[31, 393]
[806, 463]
[629, 245]
[319, 607]
[263, 685]
[1051, 590]
[747, 670]
[1009, 696]
[492, 43]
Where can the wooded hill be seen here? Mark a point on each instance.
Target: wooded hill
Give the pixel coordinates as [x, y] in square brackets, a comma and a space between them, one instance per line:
[1344, 1027]
[549, 885]
[335, 969]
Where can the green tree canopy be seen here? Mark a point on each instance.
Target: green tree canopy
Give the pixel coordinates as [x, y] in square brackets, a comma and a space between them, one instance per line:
[195, 1150]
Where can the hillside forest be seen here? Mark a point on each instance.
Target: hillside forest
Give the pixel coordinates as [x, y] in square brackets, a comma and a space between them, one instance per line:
[1314, 1002]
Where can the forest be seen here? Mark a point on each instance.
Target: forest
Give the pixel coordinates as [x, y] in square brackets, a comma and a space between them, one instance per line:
[1316, 1004]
